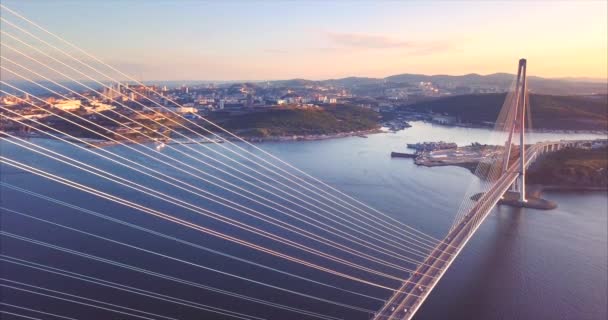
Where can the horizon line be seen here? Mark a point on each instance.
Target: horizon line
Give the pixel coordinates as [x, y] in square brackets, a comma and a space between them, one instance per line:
[562, 78]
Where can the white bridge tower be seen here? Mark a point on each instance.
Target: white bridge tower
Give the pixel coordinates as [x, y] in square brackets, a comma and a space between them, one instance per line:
[518, 124]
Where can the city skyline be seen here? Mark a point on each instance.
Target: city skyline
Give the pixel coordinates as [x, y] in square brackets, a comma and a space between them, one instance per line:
[280, 40]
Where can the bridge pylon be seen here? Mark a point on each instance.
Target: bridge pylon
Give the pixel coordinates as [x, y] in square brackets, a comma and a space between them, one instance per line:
[518, 125]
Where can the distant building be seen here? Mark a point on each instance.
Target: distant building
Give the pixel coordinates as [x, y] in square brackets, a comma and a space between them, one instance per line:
[442, 119]
[68, 105]
[112, 92]
[186, 110]
[97, 106]
[8, 101]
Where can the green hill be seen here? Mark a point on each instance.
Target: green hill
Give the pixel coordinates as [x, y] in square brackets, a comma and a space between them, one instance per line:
[300, 121]
[572, 168]
[548, 112]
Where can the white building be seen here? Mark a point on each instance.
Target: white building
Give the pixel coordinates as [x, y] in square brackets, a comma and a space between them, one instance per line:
[186, 110]
[67, 105]
[97, 106]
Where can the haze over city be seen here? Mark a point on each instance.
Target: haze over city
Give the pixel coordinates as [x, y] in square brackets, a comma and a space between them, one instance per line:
[262, 40]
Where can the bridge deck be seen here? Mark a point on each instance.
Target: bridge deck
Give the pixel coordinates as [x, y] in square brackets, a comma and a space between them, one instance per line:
[410, 296]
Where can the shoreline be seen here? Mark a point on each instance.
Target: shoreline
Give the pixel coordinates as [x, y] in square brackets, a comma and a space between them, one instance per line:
[313, 137]
[469, 166]
[100, 143]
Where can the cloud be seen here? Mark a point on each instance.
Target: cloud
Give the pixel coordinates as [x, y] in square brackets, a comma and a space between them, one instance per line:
[362, 40]
[377, 41]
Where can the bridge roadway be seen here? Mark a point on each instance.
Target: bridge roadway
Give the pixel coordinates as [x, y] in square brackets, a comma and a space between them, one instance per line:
[414, 291]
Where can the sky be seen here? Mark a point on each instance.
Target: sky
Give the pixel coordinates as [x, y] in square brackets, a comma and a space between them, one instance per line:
[267, 40]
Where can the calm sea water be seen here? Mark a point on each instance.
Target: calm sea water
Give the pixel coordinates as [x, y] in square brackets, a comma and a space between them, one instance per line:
[521, 264]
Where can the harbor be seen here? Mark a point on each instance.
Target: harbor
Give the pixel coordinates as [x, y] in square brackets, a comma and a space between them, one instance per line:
[432, 154]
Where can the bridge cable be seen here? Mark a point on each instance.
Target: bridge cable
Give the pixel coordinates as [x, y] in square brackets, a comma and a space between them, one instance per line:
[78, 276]
[82, 119]
[165, 236]
[381, 235]
[173, 159]
[144, 209]
[82, 298]
[129, 289]
[36, 311]
[224, 130]
[172, 199]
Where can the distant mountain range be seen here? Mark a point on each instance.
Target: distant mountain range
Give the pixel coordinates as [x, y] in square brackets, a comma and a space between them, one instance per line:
[502, 81]
[375, 86]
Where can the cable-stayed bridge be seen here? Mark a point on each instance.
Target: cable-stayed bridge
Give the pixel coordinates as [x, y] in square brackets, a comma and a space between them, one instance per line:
[227, 183]
[502, 173]
[404, 303]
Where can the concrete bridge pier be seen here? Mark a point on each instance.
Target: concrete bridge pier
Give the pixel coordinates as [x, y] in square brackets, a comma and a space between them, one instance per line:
[531, 198]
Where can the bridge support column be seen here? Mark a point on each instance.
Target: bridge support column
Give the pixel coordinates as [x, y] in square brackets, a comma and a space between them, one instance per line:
[522, 130]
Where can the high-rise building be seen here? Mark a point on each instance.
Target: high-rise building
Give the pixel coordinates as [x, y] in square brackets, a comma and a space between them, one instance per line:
[112, 92]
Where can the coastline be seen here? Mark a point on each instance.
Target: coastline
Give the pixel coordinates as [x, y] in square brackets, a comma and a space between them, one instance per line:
[312, 137]
[100, 143]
